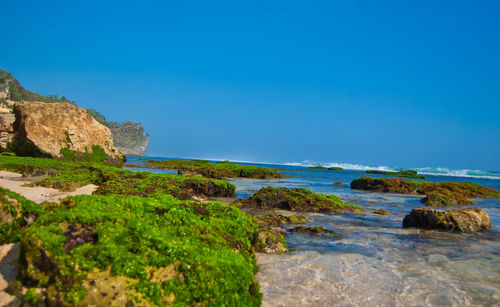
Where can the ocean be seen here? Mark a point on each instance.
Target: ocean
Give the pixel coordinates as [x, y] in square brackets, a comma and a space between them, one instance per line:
[371, 259]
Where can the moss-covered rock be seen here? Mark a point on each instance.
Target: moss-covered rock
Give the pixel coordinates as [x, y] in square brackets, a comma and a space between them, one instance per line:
[337, 184]
[67, 176]
[219, 170]
[62, 130]
[438, 193]
[149, 251]
[298, 200]
[406, 173]
[333, 168]
[445, 198]
[269, 241]
[460, 220]
[16, 213]
[278, 220]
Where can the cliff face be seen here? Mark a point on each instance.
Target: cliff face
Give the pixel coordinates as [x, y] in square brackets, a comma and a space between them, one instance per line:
[6, 129]
[129, 137]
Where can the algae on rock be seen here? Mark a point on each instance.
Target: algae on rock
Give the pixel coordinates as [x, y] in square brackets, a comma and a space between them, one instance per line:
[298, 200]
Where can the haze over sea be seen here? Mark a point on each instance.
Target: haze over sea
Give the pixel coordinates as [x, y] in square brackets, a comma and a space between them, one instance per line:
[371, 259]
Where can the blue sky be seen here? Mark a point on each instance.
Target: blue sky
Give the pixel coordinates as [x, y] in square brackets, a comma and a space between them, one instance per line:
[397, 83]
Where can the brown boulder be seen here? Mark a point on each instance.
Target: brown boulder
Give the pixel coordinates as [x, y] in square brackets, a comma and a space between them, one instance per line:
[45, 129]
[462, 220]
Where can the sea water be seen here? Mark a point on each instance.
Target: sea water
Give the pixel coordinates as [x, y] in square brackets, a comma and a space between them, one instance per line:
[371, 259]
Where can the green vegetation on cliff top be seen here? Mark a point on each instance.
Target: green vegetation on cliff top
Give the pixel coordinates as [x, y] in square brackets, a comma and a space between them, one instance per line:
[17, 93]
[223, 169]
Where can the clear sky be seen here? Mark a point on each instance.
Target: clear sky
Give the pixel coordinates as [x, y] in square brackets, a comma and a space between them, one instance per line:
[397, 83]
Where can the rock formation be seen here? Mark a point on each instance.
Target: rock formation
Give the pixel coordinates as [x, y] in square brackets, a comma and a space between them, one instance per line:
[438, 194]
[60, 130]
[129, 137]
[6, 129]
[298, 200]
[463, 220]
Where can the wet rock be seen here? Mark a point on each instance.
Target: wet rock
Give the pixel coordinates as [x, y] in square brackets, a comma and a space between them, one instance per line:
[9, 255]
[77, 235]
[278, 220]
[461, 220]
[269, 241]
[380, 212]
[444, 198]
[314, 230]
[298, 200]
[337, 184]
[437, 193]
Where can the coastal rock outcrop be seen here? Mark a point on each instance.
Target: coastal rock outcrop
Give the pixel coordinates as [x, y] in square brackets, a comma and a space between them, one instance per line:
[129, 137]
[217, 170]
[298, 200]
[441, 194]
[461, 220]
[61, 130]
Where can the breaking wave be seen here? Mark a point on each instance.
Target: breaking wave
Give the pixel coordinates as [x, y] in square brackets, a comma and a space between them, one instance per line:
[437, 171]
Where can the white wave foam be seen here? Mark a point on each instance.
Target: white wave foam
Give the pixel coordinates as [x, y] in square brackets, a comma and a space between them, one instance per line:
[438, 171]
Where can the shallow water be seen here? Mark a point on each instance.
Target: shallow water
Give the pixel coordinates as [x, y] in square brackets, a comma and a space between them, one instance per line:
[371, 259]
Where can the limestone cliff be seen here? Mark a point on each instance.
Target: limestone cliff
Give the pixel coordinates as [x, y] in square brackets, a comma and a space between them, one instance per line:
[129, 137]
[61, 130]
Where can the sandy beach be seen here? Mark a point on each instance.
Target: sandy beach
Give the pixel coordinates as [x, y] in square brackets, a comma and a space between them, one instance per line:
[15, 182]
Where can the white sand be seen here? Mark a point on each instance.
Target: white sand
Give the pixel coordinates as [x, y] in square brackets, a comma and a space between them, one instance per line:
[15, 182]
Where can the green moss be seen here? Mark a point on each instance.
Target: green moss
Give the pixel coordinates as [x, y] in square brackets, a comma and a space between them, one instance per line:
[16, 212]
[211, 242]
[68, 139]
[327, 168]
[97, 155]
[278, 220]
[223, 169]
[32, 297]
[438, 193]
[299, 200]
[406, 173]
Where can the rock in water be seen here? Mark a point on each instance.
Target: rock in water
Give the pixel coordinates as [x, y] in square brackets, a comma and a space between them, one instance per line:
[462, 220]
[61, 130]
